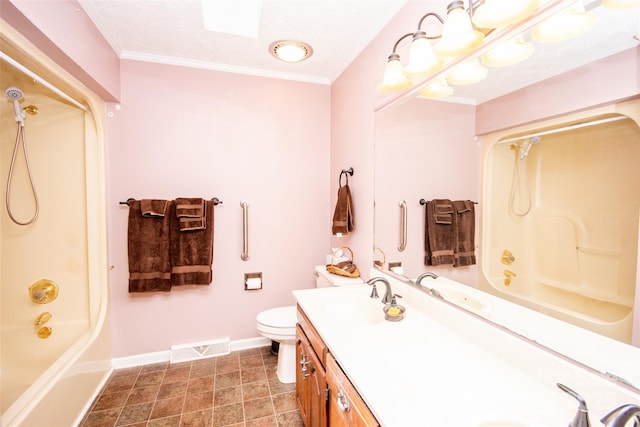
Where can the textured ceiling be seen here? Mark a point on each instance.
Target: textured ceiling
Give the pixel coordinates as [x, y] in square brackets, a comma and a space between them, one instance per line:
[172, 31]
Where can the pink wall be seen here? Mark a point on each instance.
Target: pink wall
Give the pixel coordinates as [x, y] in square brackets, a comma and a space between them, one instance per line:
[197, 133]
[65, 33]
[353, 100]
[603, 82]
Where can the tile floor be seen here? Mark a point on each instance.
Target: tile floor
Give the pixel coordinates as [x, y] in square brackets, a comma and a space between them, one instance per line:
[240, 390]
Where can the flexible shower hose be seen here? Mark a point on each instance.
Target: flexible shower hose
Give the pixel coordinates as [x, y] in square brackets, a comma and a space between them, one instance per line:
[20, 136]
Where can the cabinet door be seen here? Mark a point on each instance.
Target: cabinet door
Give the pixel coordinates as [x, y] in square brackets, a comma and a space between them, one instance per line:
[311, 385]
[317, 390]
[346, 407]
[302, 385]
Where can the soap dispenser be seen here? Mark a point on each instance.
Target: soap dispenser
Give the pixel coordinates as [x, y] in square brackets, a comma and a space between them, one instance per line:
[393, 311]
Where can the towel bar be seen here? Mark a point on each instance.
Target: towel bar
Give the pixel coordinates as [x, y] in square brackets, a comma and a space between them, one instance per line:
[215, 201]
[245, 230]
[424, 202]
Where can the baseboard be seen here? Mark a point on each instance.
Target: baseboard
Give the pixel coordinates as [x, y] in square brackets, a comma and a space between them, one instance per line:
[165, 356]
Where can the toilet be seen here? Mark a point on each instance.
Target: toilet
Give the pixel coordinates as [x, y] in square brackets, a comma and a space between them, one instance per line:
[279, 324]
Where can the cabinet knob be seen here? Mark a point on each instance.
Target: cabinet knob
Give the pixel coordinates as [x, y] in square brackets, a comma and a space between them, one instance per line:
[343, 403]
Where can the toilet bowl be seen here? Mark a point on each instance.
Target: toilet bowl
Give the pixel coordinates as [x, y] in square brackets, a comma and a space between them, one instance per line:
[279, 325]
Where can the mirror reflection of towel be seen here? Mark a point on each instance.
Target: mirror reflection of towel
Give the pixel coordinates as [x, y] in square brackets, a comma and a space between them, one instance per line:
[343, 215]
[465, 233]
[439, 230]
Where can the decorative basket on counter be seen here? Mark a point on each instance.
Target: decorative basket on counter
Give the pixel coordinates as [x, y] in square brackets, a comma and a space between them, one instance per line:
[344, 268]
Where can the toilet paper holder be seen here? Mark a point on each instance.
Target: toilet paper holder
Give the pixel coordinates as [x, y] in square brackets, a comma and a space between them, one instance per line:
[252, 281]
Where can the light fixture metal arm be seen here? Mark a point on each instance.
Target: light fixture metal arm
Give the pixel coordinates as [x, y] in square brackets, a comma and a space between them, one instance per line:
[435, 15]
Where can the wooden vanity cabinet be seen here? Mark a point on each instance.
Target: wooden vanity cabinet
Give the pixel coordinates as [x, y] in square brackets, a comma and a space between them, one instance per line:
[346, 407]
[325, 396]
[311, 384]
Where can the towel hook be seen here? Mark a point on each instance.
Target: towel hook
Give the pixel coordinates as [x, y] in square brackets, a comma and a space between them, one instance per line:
[346, 173]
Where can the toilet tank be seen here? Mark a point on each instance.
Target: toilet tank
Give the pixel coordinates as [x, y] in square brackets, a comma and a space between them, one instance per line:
[324, 279]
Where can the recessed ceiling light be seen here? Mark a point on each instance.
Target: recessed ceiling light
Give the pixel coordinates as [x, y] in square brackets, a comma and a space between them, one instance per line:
[290, 50]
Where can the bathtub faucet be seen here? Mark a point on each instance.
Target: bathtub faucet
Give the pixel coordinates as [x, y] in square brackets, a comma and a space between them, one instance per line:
[508, 274]
[386, 299]
[621, 415]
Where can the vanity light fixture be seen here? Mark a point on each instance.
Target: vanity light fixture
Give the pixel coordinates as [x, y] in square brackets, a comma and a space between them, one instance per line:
[508, 53]
[394, 77]
[458, 34]
[422, 59]
[437, 89]
[500, 13]
[621, 4]
[564, 25]
[290, 50]
[467, 73]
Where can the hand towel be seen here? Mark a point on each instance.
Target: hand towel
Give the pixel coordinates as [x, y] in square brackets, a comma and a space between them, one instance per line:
[465, 230]
[192, 251]
[343, 221]
[148, 246]
[439, 232]
[191, 214]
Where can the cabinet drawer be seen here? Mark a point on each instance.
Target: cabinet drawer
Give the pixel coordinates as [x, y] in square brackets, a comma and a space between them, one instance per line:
[346, 407]
[312, 335]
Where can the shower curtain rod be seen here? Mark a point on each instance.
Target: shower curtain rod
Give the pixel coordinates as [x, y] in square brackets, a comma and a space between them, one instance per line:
[565, 128]
[42, 81]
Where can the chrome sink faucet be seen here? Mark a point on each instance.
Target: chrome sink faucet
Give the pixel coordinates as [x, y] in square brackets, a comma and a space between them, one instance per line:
[432, 291]
[388, 295]
[621, 415]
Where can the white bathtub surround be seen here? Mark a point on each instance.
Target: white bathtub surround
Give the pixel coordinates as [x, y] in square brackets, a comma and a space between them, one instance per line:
[442, 366]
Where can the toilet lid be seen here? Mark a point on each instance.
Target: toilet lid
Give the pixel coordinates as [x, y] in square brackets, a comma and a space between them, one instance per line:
[279, 317]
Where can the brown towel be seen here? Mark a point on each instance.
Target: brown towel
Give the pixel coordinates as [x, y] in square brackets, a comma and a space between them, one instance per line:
[465, 230]
[343, 221]
[192, 251]
[439, 233]
[153, 207]
[191, 213]
[148, 247]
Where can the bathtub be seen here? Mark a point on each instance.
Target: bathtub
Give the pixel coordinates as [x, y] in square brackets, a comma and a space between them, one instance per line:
[52, 380]
[564, 241]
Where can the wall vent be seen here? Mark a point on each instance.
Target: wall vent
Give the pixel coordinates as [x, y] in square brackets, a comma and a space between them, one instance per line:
[200, 350]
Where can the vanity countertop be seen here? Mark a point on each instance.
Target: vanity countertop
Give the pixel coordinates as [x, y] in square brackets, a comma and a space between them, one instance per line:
[440, 366]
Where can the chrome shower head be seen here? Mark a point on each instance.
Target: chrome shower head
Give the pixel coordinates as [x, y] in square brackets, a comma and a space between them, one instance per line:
[524, 152]
[14, 94]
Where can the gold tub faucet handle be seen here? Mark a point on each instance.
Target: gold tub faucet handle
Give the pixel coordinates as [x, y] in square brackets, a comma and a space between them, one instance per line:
[507, 257]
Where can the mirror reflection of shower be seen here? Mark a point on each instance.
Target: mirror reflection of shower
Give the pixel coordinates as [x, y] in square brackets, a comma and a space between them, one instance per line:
[520, 197]
[14, 95]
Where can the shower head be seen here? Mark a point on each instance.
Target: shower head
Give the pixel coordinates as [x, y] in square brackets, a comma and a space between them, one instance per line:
[524, 152]
[14, 94]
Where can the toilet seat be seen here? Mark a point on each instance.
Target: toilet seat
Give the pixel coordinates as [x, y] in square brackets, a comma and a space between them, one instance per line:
[278, 321]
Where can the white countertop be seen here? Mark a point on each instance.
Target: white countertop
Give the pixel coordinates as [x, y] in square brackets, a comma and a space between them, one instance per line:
[440, 366]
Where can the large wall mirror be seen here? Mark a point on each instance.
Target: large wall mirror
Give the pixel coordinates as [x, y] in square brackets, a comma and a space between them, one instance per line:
[556, 188]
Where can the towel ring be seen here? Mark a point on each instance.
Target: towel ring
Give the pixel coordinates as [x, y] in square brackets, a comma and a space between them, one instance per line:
[346, 173]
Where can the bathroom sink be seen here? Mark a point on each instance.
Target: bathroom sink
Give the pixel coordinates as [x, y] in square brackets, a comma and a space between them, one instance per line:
[353, 309]
[461, 297]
